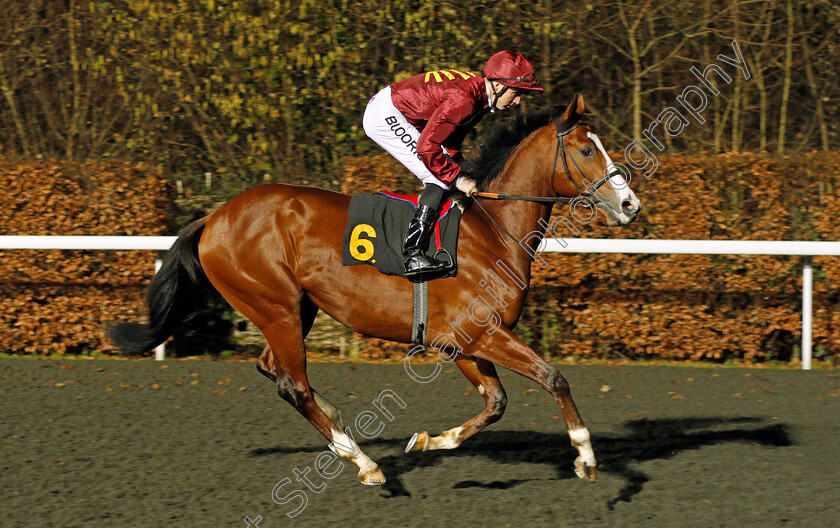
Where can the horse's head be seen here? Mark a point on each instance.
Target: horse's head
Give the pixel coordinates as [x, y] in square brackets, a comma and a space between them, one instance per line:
[583, 168]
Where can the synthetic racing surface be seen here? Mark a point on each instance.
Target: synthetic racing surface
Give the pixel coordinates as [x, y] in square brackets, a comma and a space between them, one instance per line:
[199, 443]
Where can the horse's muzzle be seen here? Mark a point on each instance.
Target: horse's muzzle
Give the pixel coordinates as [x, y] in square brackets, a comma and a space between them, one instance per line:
[629, 211]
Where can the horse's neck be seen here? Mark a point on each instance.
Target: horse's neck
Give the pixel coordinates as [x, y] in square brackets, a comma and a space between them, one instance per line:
[524, 175]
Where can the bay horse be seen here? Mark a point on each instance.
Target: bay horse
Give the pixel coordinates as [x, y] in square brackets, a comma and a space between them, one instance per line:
[274, 253]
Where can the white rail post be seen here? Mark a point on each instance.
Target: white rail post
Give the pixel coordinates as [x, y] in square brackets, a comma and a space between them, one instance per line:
[807, 291]
[160, 351]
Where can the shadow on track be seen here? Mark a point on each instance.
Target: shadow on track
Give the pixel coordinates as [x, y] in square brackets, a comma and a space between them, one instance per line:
[644, 440]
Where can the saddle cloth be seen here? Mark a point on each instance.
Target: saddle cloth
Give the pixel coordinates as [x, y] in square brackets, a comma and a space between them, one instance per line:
[376, 227]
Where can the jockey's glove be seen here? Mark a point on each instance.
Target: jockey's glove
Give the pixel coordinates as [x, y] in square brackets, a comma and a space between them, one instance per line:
[467, 185]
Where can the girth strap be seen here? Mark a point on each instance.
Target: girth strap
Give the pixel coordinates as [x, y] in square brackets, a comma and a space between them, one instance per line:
[421, 313]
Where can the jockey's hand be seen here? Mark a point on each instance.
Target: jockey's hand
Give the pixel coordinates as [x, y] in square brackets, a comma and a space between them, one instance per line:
[467, 186]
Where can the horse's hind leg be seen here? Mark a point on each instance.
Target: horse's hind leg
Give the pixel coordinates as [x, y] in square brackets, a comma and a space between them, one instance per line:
[267, 367]
[266, 364]
[284, 316]
[293, 386]
[482, 374]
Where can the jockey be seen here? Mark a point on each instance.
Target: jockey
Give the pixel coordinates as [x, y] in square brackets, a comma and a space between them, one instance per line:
[422, 121]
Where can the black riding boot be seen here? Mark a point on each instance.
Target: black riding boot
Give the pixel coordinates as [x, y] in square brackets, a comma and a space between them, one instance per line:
[417, 243]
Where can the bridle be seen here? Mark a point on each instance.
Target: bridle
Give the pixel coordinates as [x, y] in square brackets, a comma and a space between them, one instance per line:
[559, 153]
[561, 147]
[560, 150]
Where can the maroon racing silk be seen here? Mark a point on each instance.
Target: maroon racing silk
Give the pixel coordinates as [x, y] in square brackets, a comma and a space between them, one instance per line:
[444, 106]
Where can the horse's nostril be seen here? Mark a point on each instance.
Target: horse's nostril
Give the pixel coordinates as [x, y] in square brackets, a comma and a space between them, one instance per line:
[628, 207]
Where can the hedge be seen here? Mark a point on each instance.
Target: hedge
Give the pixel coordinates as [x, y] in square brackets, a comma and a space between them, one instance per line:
[56, 301]
[704, 307]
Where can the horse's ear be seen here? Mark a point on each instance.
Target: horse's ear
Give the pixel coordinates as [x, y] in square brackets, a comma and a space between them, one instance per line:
[575, 110]
[580, 107]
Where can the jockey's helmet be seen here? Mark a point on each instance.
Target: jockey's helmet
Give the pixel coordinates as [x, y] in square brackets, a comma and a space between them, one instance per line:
[511, 69]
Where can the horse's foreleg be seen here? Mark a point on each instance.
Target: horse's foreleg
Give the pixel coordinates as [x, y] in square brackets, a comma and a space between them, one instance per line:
[482, 374]
[503, 348]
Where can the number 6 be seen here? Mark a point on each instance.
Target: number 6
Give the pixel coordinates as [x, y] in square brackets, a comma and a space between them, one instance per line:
[362, 248]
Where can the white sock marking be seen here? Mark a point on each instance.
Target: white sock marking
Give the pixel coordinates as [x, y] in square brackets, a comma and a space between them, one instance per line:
[446, 440]
[580, 439]
[346, 447]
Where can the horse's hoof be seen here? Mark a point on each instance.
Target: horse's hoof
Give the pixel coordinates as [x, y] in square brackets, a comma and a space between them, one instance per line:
[585, 471]
[418, 442]
[374, 477]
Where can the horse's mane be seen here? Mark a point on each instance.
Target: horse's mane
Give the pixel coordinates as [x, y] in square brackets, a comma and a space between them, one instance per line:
[495, 147]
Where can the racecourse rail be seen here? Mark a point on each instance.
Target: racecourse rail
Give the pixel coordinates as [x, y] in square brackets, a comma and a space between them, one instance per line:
[571, 245]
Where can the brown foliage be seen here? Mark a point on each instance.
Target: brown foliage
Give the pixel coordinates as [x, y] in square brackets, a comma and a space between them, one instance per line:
[370, 174]
[56, 301]
[645, 306]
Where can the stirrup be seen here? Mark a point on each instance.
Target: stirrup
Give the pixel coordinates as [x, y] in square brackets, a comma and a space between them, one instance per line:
[449, 263]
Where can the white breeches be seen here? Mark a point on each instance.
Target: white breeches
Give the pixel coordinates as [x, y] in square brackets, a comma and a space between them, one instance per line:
[390, 129]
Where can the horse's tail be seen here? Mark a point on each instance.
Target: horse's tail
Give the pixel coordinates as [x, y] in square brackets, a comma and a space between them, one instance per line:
[171, 295]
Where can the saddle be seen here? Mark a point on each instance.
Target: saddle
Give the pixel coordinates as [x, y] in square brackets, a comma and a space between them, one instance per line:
[377, 224]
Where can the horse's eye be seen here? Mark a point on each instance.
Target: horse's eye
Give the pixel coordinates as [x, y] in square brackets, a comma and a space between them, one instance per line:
[587, 151]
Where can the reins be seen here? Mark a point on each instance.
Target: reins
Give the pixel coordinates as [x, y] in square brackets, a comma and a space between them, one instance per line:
[494, 220]
[496, 196]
